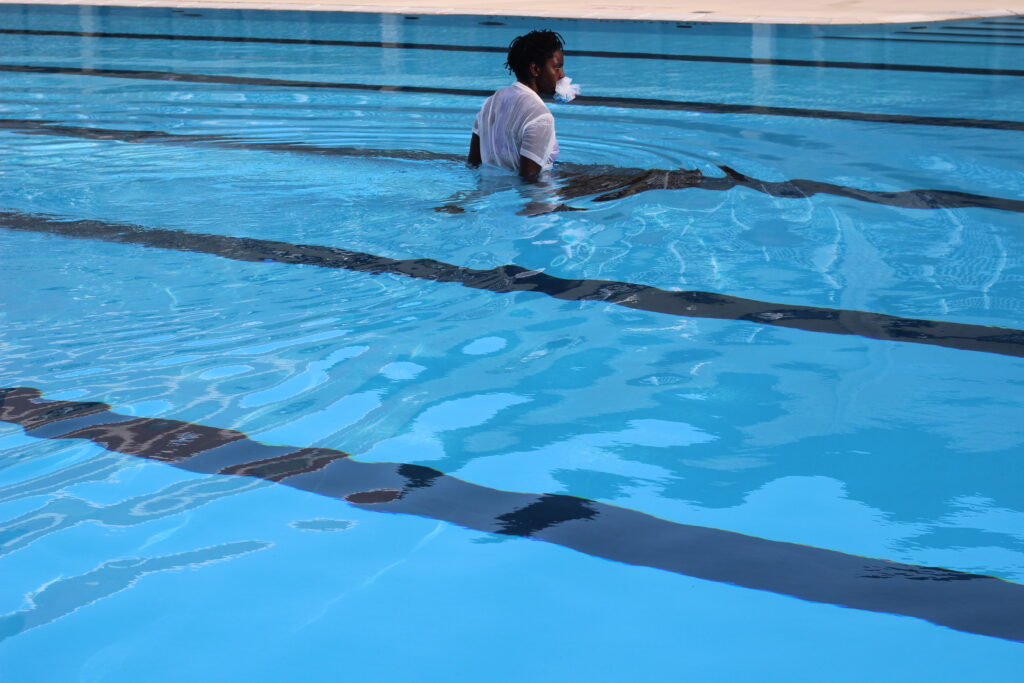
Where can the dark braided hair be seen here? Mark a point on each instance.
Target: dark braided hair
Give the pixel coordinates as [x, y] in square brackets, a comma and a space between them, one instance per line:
[536, 47]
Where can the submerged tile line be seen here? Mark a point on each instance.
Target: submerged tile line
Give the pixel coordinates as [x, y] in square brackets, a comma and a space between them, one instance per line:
[1017, 28]
[963, 601]
[826, 64]
[615, 183]
[507, 279]
[584, 100]
[960, 35]
[259, 40]
[576, 180]
[923, 40]
[159, 137]
[798, 112]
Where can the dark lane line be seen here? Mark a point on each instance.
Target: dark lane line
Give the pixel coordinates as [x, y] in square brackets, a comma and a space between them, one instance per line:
[984, 43]
[610, 184]
[957, 35]
[585, 100]
[253, 39]
[506, 279]
[985, 28]
[973, 603]
[43, 127]
[502, 50]
[576, 180]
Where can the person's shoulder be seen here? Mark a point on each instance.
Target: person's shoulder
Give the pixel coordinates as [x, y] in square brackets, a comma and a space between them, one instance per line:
[510, 92]
[523, 91]
[528, 100]
[502, 96]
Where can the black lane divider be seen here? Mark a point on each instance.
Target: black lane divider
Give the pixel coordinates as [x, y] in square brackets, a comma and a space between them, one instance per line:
[986, 28]
[922, 40]
[958, 35]
[617, 183]
[585, 100]
[973, 603]
[502, 50]
[43, 127]
[576, 180]
[512, 278]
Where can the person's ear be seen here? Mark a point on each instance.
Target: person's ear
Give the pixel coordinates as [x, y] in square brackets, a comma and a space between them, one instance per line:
[534, 70]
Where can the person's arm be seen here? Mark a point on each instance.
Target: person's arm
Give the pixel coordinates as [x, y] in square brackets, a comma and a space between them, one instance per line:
[473, 158]
[537, 142]
[529, 169]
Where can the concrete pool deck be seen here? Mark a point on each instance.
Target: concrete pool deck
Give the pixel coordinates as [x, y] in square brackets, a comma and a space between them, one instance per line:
[736, 11]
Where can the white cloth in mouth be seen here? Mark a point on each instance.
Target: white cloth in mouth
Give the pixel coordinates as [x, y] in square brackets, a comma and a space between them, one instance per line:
[565, 90]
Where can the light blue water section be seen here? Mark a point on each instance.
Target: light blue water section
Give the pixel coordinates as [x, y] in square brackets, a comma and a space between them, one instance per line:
[132, 570]
[961, 264]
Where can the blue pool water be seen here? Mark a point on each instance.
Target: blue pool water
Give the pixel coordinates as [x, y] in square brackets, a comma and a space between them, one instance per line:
[738, 478]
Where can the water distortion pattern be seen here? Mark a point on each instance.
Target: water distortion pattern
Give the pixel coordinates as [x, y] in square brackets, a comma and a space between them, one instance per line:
[574, 180]
[506, 279]
[967, 602]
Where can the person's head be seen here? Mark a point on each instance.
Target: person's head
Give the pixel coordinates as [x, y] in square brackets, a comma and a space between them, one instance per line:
[537, 60]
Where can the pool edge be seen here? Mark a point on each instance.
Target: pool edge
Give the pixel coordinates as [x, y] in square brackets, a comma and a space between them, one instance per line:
[742, 12]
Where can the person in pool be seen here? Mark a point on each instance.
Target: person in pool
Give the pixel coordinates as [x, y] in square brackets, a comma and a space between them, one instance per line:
[514, 129]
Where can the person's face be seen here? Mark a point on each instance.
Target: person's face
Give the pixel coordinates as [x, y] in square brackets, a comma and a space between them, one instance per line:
[550, 72]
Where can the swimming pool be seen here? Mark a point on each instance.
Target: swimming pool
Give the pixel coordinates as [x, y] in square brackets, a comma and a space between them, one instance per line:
[760, 422]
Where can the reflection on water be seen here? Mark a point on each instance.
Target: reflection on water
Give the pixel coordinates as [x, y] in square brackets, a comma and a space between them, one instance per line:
[323, 524]
[94, 469]
[62, 597]
[67, 512]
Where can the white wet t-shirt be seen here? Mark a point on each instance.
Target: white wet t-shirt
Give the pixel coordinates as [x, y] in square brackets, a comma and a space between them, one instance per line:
[515, 121]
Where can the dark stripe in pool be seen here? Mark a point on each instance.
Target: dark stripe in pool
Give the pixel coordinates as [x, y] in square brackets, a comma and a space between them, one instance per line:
[256, 39]
[973, 603]
[616, 183]
[585, 100]
[818, 64]
[578, 180]
[960, 35]
[42, 127]
[922, 40]
[512, 278]
[986, 28]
